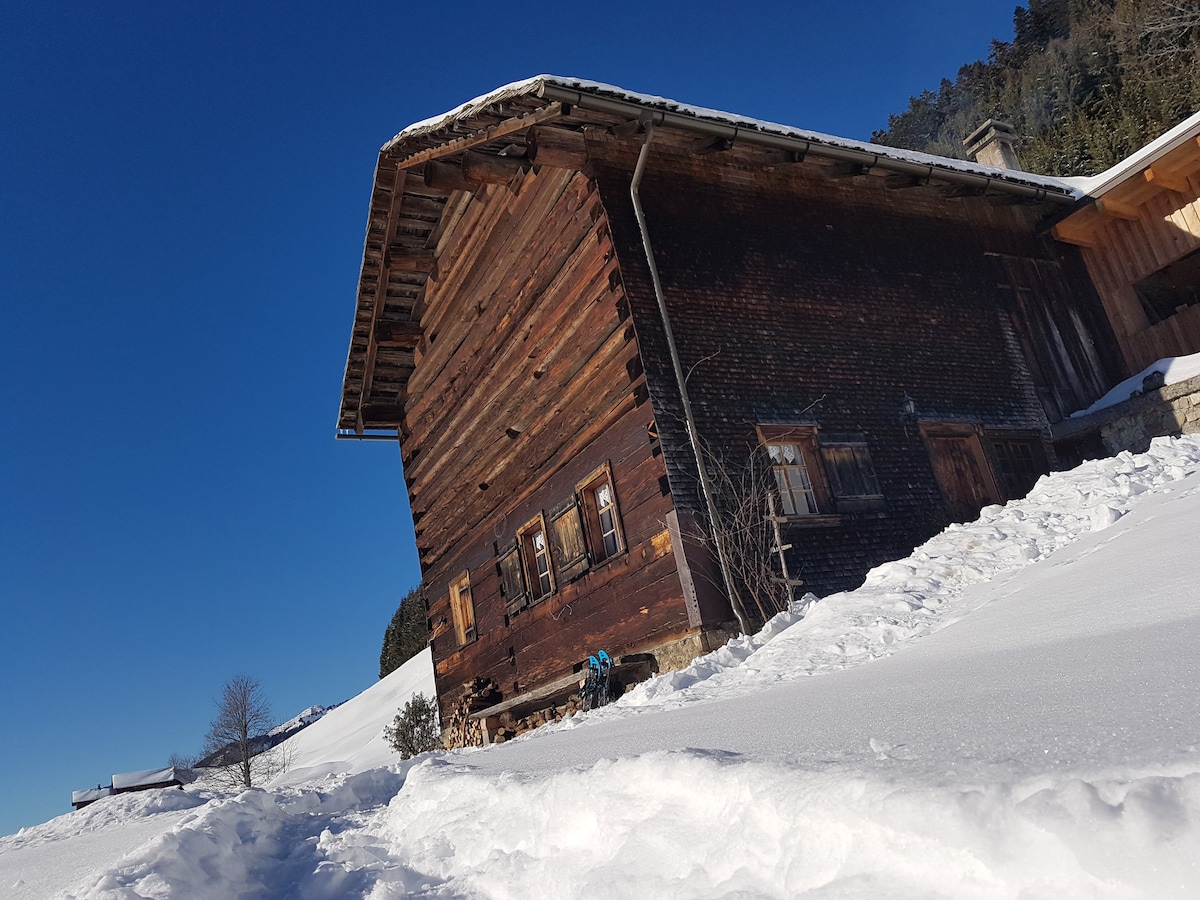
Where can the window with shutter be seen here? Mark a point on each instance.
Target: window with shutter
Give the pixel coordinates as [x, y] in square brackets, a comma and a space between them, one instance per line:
[1018, 461]
[792, 478]
[603, 522]
[535, 557]
[802, 490]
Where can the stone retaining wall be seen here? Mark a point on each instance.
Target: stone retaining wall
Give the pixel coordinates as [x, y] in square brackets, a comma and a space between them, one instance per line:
[1131, 424]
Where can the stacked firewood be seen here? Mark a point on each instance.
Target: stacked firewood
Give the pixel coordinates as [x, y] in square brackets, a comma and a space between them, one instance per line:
[459, 729]
[552, 714]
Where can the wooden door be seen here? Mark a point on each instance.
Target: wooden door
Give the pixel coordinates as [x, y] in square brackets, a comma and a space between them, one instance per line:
[962, 471]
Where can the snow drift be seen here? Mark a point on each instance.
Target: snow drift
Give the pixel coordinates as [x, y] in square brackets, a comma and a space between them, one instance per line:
[1027, 726]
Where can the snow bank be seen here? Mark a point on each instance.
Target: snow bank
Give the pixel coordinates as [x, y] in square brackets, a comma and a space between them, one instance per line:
[696, 824]
[1045, 746]
[349, 738]
[37, 862]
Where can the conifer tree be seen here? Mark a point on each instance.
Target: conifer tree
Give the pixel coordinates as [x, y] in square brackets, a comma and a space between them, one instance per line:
[407, 634]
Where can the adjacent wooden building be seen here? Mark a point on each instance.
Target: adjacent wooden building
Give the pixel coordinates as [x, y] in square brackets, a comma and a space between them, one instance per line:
[1138, 225]
[577, 302]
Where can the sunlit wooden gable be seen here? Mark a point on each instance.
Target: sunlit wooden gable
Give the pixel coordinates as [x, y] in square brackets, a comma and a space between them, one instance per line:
[1139, 230]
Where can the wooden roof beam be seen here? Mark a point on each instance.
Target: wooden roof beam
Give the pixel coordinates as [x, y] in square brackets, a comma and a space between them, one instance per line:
[897, 181]
[839, 170]
[557, 148]
[1118, 210]
[398, 335]
[711, 144]
[1160, 177]
[447, 177]
[408, 259]
[379, 300]
[484, 168]
[384, 415]
[1074, 234]
[492, 133]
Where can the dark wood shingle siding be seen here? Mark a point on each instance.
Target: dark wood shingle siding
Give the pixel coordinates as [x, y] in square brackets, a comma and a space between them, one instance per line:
[802, 299]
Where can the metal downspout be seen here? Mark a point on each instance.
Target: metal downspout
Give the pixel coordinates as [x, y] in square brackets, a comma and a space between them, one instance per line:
[735, 600]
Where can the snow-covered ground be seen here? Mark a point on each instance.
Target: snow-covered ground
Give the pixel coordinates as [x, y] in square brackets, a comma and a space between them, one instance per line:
[1028, 726]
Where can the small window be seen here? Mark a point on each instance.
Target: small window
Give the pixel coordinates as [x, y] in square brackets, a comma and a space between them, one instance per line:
[535, 556]
[796, 496]
[599, 502]
[851, 475]
[1165, 292]
[462, 609]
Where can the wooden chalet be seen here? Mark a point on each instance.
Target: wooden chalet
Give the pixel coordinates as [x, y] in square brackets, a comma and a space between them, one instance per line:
[568, 288]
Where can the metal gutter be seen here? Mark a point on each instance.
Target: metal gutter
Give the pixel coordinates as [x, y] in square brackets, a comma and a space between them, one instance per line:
[735, 601]
[796, 144]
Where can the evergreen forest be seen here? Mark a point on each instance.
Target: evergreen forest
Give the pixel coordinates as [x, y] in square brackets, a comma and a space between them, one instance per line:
[1084, 83]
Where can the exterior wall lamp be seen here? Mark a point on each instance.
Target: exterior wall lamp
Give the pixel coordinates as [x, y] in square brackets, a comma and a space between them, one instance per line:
[908, 412]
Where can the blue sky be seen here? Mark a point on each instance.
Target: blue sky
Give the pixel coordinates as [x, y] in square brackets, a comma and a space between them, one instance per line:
[183, 193]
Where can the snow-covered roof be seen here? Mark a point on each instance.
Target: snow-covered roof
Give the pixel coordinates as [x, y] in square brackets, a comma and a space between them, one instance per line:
[1097, 185]
[145, 778]
[90, 795]
[554, 86]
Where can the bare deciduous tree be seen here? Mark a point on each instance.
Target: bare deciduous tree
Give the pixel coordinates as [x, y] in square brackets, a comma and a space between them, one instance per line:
[744, 495]
[236, 736]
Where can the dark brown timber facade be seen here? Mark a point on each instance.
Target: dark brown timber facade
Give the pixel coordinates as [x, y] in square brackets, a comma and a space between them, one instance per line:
[891, 333]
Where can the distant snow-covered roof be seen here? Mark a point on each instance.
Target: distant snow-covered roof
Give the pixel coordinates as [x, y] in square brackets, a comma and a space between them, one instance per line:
[90, 795]
[145, 778]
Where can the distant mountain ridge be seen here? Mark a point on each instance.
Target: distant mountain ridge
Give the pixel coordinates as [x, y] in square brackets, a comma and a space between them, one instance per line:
[263, 742]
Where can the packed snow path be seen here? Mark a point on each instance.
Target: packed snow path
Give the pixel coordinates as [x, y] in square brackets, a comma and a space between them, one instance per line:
[1028, 726]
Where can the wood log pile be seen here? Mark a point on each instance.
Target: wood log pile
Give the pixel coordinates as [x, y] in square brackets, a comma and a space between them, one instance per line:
[458, 728]
[539, 718]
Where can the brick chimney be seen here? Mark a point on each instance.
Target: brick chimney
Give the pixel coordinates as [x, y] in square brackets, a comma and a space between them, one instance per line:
[992, 144]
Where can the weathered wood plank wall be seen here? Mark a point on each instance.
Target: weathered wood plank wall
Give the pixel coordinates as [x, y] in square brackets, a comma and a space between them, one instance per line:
[526, 381]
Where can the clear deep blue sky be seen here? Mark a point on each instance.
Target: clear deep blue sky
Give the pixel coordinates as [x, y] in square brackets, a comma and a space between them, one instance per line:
[183, 196]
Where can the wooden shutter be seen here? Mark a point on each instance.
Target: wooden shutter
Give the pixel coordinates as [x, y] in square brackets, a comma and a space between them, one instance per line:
[567, 541]
[851, 474]
[462, 609]
[513, 580]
